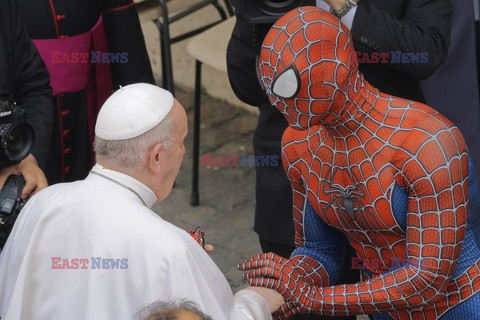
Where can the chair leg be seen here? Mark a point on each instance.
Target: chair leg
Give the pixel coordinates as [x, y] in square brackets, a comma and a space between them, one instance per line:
[220, 10]
[195, 199]
[162, 53]
[167, 49]
[229, 8]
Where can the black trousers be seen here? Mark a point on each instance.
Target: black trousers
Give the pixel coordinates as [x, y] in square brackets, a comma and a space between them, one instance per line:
[346, 276]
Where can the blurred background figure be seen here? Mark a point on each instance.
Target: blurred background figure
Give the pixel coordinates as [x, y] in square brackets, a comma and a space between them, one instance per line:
[453, 89]
[66, 34]
[24, 81]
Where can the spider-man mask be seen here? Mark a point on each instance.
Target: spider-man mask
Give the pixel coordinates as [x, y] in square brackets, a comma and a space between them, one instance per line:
[305, 65]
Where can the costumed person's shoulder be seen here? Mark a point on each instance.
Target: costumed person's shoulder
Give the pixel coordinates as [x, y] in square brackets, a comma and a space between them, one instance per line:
[405, 114]
[434, 124]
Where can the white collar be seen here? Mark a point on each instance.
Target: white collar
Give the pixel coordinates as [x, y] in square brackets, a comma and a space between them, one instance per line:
[144, 193]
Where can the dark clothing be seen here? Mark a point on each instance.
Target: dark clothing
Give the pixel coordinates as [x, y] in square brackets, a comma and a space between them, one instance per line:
[414, 26]
[453, 89]
[24, 75]
[70, 153]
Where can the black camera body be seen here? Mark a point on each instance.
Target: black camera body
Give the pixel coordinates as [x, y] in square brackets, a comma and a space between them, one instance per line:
[16, 141]
[269, 11]
[11, 204]
[16, 135]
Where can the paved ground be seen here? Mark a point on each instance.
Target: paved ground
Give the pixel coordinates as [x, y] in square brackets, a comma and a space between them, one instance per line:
[227, 197]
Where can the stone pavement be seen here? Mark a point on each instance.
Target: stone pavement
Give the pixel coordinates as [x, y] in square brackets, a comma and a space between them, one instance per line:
[227, 194]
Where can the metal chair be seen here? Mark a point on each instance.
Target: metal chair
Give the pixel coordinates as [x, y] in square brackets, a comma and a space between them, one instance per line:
[210, 48]
[165, 12]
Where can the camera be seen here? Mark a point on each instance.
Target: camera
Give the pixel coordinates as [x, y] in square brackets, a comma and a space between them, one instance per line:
[16, 140]
[16, 135]
[10, 205]
[268, 11]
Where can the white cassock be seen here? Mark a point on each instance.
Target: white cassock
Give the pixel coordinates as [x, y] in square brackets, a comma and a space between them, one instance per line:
[93, 249]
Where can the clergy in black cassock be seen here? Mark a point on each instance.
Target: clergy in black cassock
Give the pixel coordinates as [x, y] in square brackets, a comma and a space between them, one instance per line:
[24, 77]
[70, 35]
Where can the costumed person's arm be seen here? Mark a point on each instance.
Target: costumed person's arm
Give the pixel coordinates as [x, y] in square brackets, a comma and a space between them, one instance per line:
[434, 167]
[124, 36]
[319, 252]
[32, 92]
[424, 28]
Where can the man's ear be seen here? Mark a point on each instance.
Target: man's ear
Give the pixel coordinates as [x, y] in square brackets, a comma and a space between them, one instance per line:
[155, 159]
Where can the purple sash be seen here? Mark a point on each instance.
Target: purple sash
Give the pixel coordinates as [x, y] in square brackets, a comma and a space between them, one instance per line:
[68, 60]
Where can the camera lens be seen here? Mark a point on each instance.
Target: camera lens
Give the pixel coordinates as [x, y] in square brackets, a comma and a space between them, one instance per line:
[277, 7]
[16, 140]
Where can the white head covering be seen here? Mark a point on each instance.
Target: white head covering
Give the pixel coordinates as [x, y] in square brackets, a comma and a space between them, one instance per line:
[132, 110]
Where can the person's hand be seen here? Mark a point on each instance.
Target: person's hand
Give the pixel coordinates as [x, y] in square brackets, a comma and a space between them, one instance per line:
[35, 179]
[297, 279]
[273, 298]
[208, 248]
[199, 236]
[336, 5]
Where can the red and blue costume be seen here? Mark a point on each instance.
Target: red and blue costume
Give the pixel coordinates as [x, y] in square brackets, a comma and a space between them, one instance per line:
[389, 176]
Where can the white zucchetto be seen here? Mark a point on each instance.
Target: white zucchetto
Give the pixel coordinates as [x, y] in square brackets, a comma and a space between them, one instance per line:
[133, 110]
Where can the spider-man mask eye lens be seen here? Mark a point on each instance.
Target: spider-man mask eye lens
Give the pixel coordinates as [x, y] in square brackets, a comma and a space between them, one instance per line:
[287, 84]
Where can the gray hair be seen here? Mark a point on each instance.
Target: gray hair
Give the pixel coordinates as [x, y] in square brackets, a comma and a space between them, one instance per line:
[130, 153]
[161, 310]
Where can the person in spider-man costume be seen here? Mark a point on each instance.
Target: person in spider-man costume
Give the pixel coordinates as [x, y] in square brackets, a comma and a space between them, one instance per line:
[390, 176]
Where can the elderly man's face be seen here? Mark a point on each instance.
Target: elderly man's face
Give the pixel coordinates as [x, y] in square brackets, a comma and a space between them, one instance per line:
[173, 156]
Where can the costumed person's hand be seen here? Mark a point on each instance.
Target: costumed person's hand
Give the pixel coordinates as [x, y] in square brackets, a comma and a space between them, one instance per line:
[273, 298]
[199, 236]
[35, 179]
[296, 279]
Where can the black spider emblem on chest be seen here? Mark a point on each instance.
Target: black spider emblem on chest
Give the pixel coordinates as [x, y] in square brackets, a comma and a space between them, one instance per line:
[345, 199]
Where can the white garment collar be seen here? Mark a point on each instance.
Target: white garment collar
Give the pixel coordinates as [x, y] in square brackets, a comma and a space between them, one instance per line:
[147, 196]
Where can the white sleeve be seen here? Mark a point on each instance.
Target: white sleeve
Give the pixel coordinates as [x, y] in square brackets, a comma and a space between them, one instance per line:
[194, 276]
[253, 305]
[347, 19]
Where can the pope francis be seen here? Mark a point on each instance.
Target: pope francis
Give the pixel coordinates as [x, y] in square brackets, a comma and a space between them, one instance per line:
[93, 249]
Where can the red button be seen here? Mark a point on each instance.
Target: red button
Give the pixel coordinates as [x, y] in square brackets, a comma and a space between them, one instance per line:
[64, 113]
[66, 170]
[60, 17]
[67, 150]
[66, 133]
